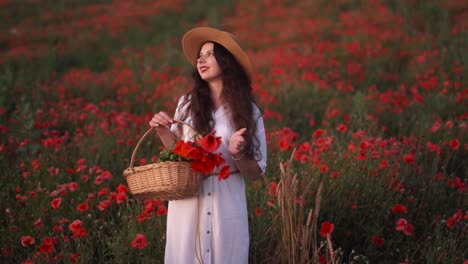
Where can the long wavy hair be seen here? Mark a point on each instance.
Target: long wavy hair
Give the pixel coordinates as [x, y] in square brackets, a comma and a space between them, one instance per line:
[237, 96]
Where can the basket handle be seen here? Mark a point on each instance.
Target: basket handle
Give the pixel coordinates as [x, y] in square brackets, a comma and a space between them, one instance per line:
[132, 160]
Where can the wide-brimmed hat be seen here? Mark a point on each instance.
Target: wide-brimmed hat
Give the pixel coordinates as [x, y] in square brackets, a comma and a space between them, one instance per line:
[194, 39]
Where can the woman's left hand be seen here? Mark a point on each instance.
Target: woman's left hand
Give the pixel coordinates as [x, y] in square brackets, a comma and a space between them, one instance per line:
[236, 143]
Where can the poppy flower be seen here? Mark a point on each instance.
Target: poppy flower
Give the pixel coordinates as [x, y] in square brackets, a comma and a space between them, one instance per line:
[182, 149]
[56, 203]
[450, 222]
[399, 208]
[318, 133]
[224, 173]
[377, 241]
[46, 248]
[75, 225]
[455, 144]
[409, 158]
[27, 241]
[103, 205]
[326, 229]
[258, 211]
[209, 142]
[122, 188]
[72, 186]
[140, 241]
[400, 224]
[121, 197]
[162, 210]
[82, 207]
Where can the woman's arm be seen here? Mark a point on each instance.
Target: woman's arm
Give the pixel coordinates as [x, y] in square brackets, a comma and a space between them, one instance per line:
[162, 122]
[248, 167]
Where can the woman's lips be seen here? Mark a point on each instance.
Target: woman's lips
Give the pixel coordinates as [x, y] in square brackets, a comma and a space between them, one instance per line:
[203, 69]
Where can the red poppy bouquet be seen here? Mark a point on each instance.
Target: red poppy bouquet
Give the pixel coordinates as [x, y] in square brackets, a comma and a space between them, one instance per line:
[200, 154]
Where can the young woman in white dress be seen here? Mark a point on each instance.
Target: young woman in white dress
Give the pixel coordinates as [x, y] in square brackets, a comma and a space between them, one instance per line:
[213, 226]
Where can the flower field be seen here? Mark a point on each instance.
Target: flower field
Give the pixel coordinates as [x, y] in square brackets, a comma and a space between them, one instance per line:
[365, 107]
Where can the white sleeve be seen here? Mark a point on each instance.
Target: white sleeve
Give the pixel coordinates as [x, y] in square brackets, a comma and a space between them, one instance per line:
[260, 135]
[177, 114]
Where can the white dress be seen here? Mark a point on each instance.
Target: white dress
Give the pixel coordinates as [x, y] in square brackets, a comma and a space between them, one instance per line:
[222, 235]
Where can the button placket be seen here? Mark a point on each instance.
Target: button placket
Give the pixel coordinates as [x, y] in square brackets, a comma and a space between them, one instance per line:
[209, 202]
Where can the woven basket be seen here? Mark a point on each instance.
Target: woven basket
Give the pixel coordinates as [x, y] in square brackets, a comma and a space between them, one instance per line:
[163, 180]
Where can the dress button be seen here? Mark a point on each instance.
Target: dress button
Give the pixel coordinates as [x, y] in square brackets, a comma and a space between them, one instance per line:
[208, 232]
[209, 194]
[209, 213]
[207, 250]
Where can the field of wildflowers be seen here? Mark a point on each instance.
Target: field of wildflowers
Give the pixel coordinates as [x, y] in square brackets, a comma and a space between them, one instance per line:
[365, 105]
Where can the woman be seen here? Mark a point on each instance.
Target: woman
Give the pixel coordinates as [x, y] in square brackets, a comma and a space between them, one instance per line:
[213, 227]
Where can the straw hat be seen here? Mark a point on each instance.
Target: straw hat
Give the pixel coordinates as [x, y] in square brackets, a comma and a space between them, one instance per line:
[194, 39]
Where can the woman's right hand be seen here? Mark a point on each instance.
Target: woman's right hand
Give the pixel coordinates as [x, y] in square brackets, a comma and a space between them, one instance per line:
[160, 120]
[162, 123]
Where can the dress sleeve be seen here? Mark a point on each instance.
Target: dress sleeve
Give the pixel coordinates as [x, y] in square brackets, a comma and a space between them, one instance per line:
[177, 114]
[260, 135]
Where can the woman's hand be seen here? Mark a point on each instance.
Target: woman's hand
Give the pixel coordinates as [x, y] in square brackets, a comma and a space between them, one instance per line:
[162, 123]
[236, 144]
[160, 120]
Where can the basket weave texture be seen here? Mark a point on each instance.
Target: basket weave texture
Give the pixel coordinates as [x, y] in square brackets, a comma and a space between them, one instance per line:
[166, 180]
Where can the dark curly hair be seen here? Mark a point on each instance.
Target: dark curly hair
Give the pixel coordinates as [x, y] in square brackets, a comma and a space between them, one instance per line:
[237, 97]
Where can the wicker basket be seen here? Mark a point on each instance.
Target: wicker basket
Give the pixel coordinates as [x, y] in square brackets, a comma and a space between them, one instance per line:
[163, 180]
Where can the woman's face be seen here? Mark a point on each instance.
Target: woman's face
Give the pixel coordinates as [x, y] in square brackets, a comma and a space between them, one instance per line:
[207, 65]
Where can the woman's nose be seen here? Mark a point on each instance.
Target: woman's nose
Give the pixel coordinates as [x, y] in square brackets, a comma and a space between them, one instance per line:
[201, 59]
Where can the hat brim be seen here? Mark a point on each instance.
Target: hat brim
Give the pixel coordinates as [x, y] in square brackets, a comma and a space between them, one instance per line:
[194, 39]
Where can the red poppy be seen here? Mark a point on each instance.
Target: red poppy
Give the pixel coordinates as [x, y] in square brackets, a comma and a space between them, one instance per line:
[27, 241]
[162, 210]
[209, 142]
[75, 225]
[103, 191]
[46, 248]
[458, 215]
[139, 242]
[224, 173]
[121, 197]
[38, 223]
[334, 175]
[103, 205]
[399, 208]
[204, 165]
[122, 188]
[258, 211]
[408, 230]
[56, 203]
[273, 188]
[324, 168]
[74, 257]
[106, 175]
[400, 224]
[409, 158]
[82, 207]
[326, 229]
[185, 150]
[341, 128]
[378, 241]
[450, 222]
[454, 143]
[72, 186]
[79, 232]
[318, 133]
